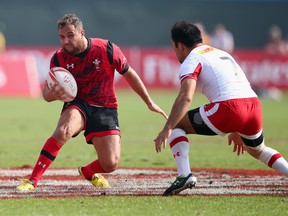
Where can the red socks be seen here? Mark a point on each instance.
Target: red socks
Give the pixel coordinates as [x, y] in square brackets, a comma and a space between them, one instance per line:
[92, 168]
[48, 154]
[46, 158]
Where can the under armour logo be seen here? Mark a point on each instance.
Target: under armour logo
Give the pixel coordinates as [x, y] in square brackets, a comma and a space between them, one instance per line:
[71, 65]
[176, 155]
[41, 164]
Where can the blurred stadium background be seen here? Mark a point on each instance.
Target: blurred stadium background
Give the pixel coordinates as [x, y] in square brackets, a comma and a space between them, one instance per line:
[142, 29]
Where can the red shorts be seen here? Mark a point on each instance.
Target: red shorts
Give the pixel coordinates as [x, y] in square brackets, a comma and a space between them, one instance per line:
[237, 115]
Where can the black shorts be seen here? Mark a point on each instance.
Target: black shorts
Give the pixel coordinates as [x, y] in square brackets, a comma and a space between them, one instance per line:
[99, 121]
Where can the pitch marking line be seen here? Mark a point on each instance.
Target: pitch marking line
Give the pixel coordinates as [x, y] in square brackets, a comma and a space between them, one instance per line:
[146, 182]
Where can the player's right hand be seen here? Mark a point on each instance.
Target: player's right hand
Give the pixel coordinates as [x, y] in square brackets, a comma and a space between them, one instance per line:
[161, 140]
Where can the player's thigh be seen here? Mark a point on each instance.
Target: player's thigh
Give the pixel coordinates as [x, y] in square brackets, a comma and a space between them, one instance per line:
[71, 122]
[186, 125]
[108, 148]
[192, 123]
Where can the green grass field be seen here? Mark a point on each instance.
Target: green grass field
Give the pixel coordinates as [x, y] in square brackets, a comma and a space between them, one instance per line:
[27, 123]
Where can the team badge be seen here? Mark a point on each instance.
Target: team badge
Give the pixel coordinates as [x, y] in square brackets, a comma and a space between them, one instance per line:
[97, 64]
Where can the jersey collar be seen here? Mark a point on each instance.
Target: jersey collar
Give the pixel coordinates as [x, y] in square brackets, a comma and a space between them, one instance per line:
[84, 53]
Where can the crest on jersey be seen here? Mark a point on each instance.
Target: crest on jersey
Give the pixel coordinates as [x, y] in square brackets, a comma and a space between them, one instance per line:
[97, 64]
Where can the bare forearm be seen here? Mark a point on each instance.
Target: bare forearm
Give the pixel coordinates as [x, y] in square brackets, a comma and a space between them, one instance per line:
[182, 103]
[138, 86]
[178, 111]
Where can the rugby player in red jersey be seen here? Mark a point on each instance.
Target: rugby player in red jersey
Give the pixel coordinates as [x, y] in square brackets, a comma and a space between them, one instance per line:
[93, 62]
[234, 107]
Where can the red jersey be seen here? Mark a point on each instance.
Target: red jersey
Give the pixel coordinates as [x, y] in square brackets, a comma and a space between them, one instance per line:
[94, 71]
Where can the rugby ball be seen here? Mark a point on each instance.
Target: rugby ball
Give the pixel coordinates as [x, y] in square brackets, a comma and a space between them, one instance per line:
[65, 79]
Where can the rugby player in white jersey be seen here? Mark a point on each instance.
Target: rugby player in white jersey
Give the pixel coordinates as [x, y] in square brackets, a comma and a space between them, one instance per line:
[234, 107]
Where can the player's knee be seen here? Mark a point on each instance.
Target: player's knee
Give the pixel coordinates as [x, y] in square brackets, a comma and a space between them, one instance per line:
[62, 134]
[254, 147]
[256, 143]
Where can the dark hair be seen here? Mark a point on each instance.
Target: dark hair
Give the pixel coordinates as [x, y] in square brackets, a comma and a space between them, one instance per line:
[187, 33]
[70, 19]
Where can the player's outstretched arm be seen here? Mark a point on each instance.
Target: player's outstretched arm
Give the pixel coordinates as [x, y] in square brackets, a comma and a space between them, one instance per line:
[138, 86]
[179, 109]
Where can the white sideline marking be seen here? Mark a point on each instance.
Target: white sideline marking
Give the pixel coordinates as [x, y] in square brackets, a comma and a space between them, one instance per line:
[148, 182]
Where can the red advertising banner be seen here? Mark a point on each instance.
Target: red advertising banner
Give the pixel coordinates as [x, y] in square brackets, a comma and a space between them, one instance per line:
[263, 70]
[19, 76]
[158, 68]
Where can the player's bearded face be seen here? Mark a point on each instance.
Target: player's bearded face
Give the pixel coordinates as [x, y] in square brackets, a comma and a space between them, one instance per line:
[71, 39]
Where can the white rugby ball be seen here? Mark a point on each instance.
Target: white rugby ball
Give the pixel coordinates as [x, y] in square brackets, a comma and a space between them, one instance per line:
[65, 79]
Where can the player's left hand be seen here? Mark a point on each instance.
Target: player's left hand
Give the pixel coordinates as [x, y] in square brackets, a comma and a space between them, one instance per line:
[161, 139]
[238, 143]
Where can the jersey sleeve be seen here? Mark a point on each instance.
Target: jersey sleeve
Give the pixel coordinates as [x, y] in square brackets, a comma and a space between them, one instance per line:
[54, 62]
[119, 60]
[190, 69]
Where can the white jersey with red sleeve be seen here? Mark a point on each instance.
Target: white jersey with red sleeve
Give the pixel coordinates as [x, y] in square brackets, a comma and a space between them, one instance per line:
[218, 75]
